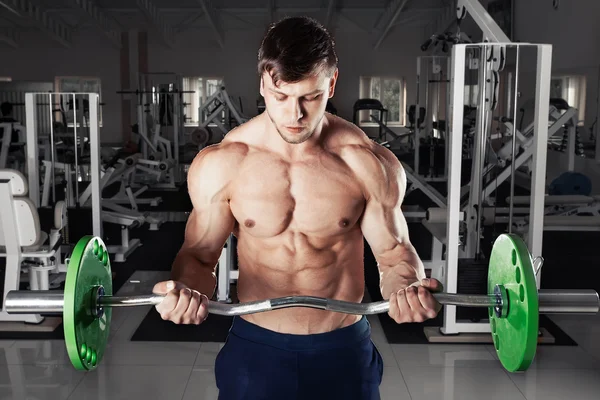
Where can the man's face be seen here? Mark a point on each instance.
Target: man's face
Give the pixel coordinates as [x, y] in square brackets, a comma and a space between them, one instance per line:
[297, 108]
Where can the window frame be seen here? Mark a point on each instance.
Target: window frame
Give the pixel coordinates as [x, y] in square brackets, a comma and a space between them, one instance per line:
[402, 105]
[577, 100]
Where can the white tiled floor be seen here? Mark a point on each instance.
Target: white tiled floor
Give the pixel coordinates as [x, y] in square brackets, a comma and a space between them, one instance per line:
[143, 370]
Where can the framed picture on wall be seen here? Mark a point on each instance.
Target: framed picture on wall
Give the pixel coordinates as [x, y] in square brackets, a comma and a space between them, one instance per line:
[502, 12]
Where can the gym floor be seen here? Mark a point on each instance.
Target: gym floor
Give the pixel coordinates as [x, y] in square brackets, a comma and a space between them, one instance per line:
[167, 370]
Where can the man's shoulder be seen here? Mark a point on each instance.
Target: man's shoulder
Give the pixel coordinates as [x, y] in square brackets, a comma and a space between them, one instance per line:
[353, 146]
[217, 163]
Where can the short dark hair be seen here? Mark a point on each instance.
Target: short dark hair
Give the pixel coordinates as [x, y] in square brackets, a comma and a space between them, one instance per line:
[6, 108]
[296, 48]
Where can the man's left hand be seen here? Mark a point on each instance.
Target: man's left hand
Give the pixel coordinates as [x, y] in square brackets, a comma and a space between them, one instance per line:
[415, 303]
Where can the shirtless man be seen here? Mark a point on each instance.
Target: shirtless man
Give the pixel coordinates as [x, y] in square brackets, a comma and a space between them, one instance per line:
[299, 188]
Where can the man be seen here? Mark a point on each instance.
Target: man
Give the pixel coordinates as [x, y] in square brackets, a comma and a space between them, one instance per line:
[299, 188]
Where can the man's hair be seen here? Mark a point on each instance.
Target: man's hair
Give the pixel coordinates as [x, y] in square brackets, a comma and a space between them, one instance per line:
[6, 108]
[296, 48]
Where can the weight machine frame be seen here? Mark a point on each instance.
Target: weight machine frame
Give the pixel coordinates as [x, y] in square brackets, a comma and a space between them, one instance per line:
[456, 213]
[540, 139]
[33, 164]
[434, 112]
[224, 107]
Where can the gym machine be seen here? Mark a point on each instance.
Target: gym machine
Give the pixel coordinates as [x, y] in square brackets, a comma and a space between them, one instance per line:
[459, 226]
[160, 129]
[220, 111]
[76, 172]
[31, 254]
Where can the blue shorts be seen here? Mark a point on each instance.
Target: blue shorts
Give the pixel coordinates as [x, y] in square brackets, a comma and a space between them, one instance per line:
[258, 363]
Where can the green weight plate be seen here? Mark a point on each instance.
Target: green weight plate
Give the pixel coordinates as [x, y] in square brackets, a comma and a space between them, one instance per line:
[86, 335]
[515, 336]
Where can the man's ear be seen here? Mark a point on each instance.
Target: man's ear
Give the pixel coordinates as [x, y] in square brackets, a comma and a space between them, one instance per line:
[332, 83]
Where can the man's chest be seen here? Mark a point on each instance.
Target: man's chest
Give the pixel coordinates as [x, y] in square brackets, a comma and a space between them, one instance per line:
[317, 196]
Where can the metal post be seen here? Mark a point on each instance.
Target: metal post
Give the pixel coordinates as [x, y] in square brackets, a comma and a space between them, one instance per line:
[513, 160]
[52, 149]
[457, 85]
[176, 121]
[142, 125]
[447, 118]
[33, 167]
[475, 186]
[76, 144]
[94, 101]
[596, 128]
[417, 116]
[538, 182]
[224, 273]
[572, 138]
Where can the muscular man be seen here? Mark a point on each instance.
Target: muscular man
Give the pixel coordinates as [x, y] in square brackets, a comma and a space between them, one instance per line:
[299, 188]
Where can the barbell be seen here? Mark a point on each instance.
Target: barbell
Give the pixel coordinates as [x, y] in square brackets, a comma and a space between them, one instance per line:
[513, 301]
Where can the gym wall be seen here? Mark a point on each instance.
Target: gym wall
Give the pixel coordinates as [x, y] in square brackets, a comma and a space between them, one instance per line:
[197, 54]
[574, 31]
[40, 58]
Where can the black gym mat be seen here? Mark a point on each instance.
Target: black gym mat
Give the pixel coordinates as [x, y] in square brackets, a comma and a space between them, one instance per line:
[414, 334]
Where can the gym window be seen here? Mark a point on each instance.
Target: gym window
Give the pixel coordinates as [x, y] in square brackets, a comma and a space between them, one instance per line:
[203, 88]
[571, 88]
[75, 84]
[391, 92]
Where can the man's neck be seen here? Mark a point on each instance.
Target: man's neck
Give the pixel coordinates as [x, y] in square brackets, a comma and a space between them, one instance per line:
[295, 151]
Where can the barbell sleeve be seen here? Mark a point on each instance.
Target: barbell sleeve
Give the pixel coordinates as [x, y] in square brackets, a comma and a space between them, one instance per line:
[550, 302]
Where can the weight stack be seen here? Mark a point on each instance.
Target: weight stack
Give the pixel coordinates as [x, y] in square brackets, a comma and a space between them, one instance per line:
[472, 279]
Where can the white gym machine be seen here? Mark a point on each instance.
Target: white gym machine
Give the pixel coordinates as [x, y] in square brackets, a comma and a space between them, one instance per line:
[226, 273]
[33, 160]
[462, 220]
[22, 242]
[217, 110]
[156, 168]
[124, 170]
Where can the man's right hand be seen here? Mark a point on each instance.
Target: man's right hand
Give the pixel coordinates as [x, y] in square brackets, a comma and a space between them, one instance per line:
[181, 304]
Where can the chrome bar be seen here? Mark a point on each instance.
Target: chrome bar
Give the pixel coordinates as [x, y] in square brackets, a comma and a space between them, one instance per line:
[560, 301]
[550, 301]
[346, 307]
[34, 302]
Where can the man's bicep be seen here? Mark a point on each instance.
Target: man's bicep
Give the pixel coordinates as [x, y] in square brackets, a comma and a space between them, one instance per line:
[207, 231]
[384, 225]
[211, 220]
[385, 230]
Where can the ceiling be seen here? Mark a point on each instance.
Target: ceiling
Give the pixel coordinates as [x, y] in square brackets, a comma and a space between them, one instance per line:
[61, 20]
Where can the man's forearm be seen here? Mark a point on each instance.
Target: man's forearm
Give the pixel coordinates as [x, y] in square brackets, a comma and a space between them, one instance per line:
[194, 273]
[405, 271]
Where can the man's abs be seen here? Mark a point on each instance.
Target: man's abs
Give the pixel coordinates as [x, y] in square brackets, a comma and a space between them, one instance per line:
[336, 272]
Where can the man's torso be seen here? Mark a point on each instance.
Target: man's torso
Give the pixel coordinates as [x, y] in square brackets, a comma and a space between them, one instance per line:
[298, 229]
